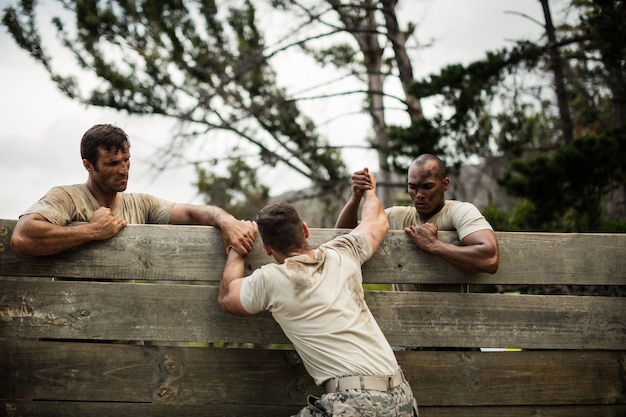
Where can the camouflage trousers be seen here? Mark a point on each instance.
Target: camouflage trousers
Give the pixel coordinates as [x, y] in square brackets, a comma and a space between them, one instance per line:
[397, 402]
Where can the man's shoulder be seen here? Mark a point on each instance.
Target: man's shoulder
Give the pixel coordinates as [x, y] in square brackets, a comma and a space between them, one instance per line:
[355, 245]
[464, 217]
[460, 210]
[134, 196]
[66, 192]
[395, 210]
[71, 188]
[138, 198]
[64, 204]
[458, 205]
[401, 216]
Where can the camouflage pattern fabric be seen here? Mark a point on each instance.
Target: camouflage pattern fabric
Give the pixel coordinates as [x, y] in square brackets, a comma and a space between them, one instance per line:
[397, 402]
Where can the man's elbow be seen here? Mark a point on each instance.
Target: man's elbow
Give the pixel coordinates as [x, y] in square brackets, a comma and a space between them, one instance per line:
[222, 304]
[222, 301]
[230, 306]
[21, 246]
[491, 265]
[491, 268]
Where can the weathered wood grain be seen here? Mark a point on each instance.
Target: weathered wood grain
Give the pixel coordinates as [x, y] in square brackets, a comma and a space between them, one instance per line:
[62, 319]
[82, 409]
[131, 373]
[117, 409]
[471, 378]
[151, 252]
[130, 311]
[184, 375]
[535, 411]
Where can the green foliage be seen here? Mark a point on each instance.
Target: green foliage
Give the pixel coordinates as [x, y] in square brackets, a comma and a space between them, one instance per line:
[422, 136]
[239, 192]
[199, 62]
[514, 220]
[521, 129]
[339, 55]
[204, 63]
[468, 89]
[569, 185]
[500, 106]
[467, 94]
[377, 287]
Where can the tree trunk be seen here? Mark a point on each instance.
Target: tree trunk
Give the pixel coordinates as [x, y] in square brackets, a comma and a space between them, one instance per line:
[405, 69]
[559, 80]
[611, 30]
[366, 35]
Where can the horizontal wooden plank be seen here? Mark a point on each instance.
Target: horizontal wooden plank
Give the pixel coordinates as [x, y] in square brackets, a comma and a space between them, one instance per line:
[116, 409]
[173, 375]
[148, 252]
[560, 258]
[183, 375]
[500, 320]
[164, 252]
[125, 311]
[81, 409]
[470, 378]
[128, 311]
[535, 411]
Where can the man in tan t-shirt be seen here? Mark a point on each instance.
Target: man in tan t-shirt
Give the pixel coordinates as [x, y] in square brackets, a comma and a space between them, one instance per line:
[427, 184]
[317, 298]
[102, 209]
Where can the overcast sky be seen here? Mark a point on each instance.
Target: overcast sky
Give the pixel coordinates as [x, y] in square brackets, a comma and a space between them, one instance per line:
[41, 128]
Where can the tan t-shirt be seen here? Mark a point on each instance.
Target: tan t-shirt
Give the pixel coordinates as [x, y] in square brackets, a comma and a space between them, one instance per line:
[319, 305]
[74, 203]
[459, 216]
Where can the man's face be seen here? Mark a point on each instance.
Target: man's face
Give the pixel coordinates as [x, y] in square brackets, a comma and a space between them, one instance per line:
[426, 187]
[111, 170]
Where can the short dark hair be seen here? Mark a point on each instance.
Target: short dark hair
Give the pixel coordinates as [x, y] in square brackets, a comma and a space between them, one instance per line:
[102, 136]
[280, 227]
[426, 157]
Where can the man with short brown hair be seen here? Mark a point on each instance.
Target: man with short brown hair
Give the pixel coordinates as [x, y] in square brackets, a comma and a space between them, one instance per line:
[100, 208]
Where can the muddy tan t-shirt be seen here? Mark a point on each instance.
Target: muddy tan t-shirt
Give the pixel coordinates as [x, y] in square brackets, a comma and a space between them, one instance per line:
[74, 203]
[459, 216]
[319, 305]
[456, 216]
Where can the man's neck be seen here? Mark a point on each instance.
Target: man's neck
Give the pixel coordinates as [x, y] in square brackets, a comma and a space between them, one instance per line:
[280, 258]
[426, 217]
[105, 199]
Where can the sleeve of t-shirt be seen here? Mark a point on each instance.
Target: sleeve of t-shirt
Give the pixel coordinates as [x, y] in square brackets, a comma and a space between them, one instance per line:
[158, 210]
[253, 294]
[399, 217]
[354, 245]
[467, 219]
[55, 206]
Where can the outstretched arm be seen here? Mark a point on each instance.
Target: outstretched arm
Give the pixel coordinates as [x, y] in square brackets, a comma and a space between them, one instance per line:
[235, 232]
[232, 277]
[34, 235]
[348, 217]
[478, 251]
[374, 223]
[230, 284]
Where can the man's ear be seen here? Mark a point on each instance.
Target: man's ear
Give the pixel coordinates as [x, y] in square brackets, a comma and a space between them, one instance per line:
[306, 230]
[268, 250]
[88, 165]
[446, 184]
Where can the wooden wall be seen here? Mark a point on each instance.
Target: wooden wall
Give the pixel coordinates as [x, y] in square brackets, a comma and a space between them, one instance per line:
[71, 328]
